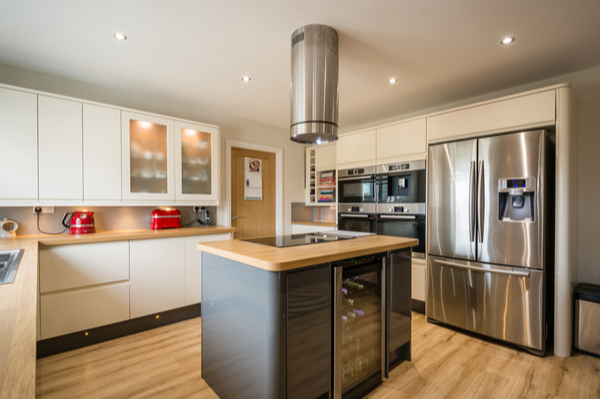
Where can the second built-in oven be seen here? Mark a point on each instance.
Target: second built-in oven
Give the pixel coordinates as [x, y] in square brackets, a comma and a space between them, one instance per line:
[357, 217]
[392, 221]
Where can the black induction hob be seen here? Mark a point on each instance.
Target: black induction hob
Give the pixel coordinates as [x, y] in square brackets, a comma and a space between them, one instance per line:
[298, 240]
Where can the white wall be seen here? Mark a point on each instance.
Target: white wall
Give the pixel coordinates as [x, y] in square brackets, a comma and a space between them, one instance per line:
[231, 128]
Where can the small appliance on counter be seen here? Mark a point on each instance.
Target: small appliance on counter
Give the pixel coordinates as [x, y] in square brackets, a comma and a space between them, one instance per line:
[80, 222]
[165, 218]
[8, 228]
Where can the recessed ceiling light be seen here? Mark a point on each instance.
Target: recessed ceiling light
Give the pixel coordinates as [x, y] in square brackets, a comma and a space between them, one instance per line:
[246, 79]
[392, 80]
[120, 36]
[507, 40]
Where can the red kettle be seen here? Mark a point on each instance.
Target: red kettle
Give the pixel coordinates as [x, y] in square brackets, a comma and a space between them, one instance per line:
[80, 222]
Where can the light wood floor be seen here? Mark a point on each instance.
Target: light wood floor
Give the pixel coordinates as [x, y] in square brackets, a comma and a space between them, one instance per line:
[165, 363]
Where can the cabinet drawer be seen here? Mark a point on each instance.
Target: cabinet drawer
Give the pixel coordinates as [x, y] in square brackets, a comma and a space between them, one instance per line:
[79, 265]
[68, 312]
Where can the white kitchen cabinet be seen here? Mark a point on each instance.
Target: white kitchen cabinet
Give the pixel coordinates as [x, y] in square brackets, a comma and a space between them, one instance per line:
[101, 154]
[405, 141]
[77, 310]
[157, 275]
[325, 157]
[148, 165]
[193, 266]
[356, 149]
[18, 136]
[60, 150]
[419, 279]
[196, 162]
[519, 112]
[80, 265]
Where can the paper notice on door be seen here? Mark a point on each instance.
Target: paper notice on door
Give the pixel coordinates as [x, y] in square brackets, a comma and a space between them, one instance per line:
[252, 178]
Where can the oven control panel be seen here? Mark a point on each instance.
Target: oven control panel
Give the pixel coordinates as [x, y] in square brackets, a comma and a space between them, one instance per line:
[355, 209]
[399, 210]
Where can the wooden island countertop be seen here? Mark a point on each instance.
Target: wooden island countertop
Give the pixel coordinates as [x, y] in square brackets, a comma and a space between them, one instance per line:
[278, 259]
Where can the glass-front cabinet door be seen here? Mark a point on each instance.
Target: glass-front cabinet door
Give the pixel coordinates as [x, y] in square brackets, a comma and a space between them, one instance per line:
[196, 166]
[148, 157]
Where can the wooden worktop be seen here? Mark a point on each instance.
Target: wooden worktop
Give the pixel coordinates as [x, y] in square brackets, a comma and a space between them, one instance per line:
[316, 223]
[18, 310]
[114, 236]
[18, 300]
[278, 259]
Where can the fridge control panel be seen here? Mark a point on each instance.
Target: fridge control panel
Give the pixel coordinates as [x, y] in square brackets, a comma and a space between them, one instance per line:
[524, 184]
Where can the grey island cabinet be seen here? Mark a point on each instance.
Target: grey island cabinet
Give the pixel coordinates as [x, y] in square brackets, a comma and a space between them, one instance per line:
[324, 320]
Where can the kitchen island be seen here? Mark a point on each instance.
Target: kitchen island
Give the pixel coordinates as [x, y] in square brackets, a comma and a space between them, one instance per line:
[272, 317]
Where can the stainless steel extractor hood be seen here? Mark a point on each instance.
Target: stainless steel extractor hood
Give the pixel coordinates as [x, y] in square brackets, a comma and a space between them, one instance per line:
[315, 71]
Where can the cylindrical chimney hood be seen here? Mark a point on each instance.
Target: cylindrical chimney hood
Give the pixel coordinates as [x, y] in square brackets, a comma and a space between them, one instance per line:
[315, 71]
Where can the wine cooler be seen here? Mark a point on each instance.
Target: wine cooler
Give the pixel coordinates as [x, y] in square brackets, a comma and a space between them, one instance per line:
[359, 333]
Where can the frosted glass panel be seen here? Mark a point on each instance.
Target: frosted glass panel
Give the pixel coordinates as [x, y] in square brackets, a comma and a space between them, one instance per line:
[196, 163]
[148, 157]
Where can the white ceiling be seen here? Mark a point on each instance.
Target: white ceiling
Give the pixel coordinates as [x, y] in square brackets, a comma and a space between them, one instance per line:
[439, 50]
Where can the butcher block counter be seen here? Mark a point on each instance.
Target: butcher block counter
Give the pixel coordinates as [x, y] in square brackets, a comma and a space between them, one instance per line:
[277, 259]
[18, 300]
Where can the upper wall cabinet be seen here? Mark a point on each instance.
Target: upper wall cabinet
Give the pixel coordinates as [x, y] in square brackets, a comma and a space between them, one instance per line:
[405, 141]
[325, 157]
[60, 157]
[18, 136]
[356, 149]
[148, 166]
[101, 154]
[196, 169]
[519, 112]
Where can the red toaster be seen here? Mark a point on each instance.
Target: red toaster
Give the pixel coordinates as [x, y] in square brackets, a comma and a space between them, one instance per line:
[164, 218]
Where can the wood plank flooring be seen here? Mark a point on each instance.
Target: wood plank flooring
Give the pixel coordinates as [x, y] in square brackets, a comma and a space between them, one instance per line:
[165, 363]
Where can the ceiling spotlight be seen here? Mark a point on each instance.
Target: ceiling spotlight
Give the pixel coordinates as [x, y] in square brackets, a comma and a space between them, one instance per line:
[246, 79]
[507, 40]
[120, 36]
[392, 80]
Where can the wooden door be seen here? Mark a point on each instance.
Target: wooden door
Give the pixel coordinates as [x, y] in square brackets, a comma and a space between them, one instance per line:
[255, 218]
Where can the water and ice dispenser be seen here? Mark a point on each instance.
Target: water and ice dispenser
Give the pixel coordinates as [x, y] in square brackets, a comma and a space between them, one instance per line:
[516, 199]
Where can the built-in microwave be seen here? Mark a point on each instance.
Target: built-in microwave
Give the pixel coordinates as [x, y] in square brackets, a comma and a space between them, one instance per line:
[357, 185]
[402, 182]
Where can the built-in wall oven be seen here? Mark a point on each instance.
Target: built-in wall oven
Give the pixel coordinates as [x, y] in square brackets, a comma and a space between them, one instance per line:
[401, 206]
[357, 217]
[357, 185]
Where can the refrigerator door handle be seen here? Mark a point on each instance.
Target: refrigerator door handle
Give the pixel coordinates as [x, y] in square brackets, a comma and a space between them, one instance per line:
[337, 332]
[472, 201]
[480, 269]
[384, 325]
[480, 203]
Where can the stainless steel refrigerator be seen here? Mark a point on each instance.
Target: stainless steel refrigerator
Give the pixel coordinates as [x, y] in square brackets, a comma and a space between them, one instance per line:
[490, 236]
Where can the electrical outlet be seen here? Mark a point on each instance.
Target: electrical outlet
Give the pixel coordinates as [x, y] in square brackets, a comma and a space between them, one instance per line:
[196, 208]
[45, 210]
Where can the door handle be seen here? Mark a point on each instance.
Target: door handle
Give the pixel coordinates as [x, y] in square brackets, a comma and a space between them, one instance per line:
[480, 269]
[236, 216]
[337, 332]
[398, 217]
[472, 202]
[354, 216]
[481, 202]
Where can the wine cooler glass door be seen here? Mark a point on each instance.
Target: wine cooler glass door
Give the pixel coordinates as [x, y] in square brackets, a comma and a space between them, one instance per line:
[361, 327]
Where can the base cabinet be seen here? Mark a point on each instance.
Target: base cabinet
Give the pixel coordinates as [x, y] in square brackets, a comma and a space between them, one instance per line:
[157, 268]
[67, 312]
